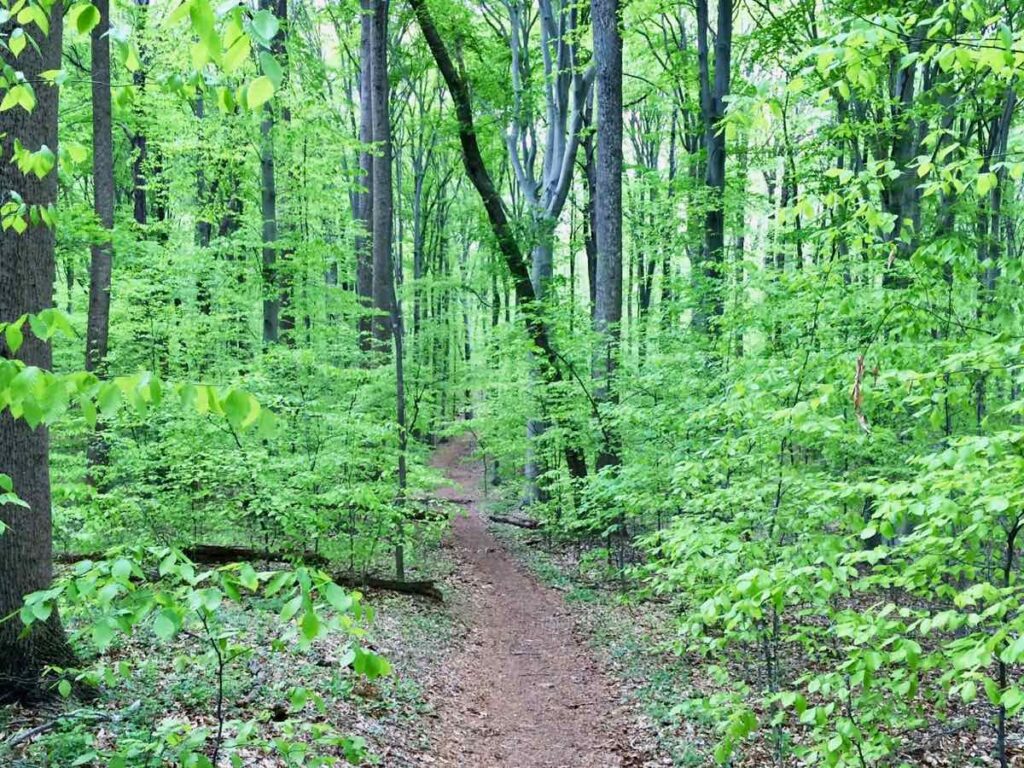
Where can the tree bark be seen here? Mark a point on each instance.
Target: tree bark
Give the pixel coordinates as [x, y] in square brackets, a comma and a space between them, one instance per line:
[383, 208]
[27, 274]
[608, 203]
[140, 147]
[268, 211]
[364, 198]
[98, 326]
[276, 314]
[102, 253]
[712, 101]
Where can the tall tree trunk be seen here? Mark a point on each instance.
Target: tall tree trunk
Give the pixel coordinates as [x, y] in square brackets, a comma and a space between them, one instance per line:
[268, 210]
[590, 211]
[275, 293]
[387, 324]
[27, 274]
[383, 272]
[139, 141]
[101, 265]
[608, 310]
[98, 327]
[713, 92]
[286, 278]
[364, 198]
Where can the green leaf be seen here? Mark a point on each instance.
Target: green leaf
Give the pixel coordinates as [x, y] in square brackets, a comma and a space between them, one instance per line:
[237, 54]
[338, 598]
[259, 92]
[166, 624]
[14, 337]
[265, 25]
[247, 577]
[17, 41]
[121, 569]
[236, 407]
[310, 625]
[969, 691]
[986, 182]
[102, 634]
[64, 688]
[370, 664]
[87, 18]
[270, 68]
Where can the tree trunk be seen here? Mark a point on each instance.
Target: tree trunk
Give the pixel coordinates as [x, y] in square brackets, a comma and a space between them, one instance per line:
[274, 292]
[712, 102]
[27, 274]
[139, 141]
[98, 327]
[101, 265]
[383, 272]
[268, 210]
[608, 310]
[364, 198]
[590, 215]
[385, 296]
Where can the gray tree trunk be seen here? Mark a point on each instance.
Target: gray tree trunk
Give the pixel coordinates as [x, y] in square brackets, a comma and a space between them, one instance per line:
[567, 86]
[98, 326]
[101, 265]
[27, 274]
[140, 147]
[713, 93]
[274, 292]
[268, 212]
[608, 203]
[387, 327]
[364, 198]
[383, 225]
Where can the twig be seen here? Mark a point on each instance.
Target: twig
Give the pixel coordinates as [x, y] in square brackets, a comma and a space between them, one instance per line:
[83, 714]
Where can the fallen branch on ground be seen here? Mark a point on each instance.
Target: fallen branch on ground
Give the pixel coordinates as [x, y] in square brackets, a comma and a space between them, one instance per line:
[79, 714]
[216, 554]
[519, 522]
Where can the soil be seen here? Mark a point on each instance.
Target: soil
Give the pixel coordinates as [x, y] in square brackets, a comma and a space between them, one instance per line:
[523, 691]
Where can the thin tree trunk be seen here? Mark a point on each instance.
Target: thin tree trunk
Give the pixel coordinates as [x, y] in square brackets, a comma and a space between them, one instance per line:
[139, 141]
[98, 326]
[272, 278]
[590, 212]
[383, 273]
[268, 211]
[364, 198]
[713, 94]
[101, 264]
[608, 310]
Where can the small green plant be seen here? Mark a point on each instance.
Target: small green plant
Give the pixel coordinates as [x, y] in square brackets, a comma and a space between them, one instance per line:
[158, 596]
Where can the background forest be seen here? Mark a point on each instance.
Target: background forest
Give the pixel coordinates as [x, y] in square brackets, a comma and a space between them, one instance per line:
[727, 293]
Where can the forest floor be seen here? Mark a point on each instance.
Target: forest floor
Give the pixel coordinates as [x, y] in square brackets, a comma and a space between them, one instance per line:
[523, 690]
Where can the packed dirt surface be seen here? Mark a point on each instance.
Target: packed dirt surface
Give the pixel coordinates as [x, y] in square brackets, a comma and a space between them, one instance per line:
[523, 691]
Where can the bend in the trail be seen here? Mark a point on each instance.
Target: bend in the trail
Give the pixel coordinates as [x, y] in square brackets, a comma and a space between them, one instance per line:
[525, 692]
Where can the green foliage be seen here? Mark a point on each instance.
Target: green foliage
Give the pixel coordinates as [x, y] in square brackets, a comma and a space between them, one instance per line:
[157, 597]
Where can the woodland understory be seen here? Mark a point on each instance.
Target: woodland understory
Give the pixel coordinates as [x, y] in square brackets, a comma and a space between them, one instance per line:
[722, 296]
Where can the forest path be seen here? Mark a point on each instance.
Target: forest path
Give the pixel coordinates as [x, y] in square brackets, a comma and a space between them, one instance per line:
[524, 692]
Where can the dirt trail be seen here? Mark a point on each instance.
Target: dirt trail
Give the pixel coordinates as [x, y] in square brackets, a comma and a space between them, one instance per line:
[524, 692]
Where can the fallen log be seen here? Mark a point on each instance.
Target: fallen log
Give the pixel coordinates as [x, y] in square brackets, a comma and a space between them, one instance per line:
[424, 588]
[519, 522]
[217, 554]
